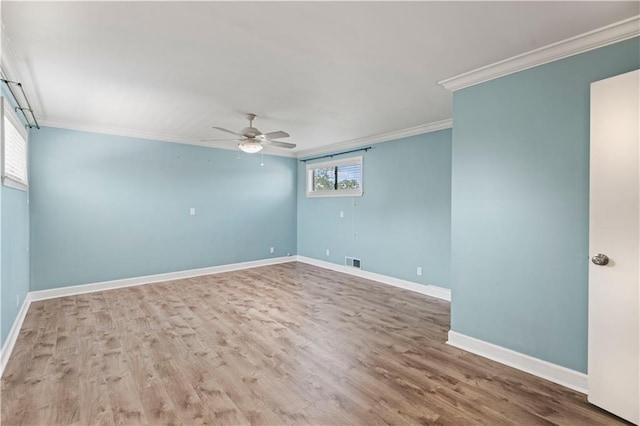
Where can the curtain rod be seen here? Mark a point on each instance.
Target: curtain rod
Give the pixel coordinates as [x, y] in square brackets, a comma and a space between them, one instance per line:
[339, 153]
[22, 110]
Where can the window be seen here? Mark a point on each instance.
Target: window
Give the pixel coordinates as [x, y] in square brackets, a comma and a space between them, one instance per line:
[337, 178]
[14, 149]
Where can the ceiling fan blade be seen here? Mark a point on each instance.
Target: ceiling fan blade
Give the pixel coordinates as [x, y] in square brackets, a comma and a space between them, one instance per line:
[280, 144]
[276, 135]
[219, 140]
[222, 129]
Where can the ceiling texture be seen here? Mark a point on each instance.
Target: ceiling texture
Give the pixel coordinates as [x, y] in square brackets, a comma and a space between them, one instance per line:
[326, 72]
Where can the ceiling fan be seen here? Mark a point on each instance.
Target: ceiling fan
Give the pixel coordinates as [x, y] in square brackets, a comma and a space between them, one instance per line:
[252, 140]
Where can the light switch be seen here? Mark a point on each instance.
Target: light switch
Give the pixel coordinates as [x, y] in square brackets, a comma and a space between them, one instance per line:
[192, 211]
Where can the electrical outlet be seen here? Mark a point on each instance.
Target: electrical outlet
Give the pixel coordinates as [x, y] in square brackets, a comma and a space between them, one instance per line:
[192, 211]
[328, 252]
[272, 249]
[419, 271]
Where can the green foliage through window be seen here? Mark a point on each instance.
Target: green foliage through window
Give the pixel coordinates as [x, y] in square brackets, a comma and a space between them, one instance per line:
[324, 179]
[339, 177]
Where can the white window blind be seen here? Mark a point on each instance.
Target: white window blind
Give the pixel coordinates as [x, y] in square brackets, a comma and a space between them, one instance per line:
[335, 178]
[349, 176]
[14, 150]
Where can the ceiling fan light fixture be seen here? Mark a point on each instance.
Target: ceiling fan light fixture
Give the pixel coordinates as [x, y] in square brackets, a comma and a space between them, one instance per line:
[250, 147]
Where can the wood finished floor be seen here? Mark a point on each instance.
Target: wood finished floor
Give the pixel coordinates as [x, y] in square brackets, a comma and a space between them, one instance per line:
[284, 344]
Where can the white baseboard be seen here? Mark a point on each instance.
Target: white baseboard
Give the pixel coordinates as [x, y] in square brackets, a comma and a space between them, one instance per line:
[10, 342]
[427, 289]
[554, 373]
[149, 279]
[546, 370]
[33, 296]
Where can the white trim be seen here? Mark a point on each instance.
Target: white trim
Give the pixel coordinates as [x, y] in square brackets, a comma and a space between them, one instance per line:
[546, 370]
[338, 193]
[155, 136]
[554, 373]
[379, 138]
[12, 337]
[595, 39]
[12, 183]
[33, 296]
[11, 65]
[369, 140]
[426, 289]
[150, 279]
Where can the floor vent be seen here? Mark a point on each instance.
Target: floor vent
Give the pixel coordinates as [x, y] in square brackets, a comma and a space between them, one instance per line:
[352, 261]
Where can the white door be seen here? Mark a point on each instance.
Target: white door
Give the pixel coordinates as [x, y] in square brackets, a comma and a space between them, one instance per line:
[614, 232]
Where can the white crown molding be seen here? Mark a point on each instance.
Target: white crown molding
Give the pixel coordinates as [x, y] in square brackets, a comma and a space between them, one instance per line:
[10, 65]
[554, 373]
[379, 138]
[600, 37]
[156, 136]
[426, 289]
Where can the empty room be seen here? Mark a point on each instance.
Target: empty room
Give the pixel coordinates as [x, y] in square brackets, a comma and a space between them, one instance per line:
[320, 213]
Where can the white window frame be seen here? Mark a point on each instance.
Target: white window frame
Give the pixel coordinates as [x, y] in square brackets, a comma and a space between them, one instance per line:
[9, 181]
[338, 192]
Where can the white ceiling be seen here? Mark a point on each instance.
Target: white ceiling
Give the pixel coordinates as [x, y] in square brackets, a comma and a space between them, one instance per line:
[325, 72]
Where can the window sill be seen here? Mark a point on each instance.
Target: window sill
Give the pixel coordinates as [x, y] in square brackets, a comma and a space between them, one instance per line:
[334, 194]
[11, 183]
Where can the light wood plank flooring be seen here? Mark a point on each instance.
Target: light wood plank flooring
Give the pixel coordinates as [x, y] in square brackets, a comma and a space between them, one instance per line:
[285, 344]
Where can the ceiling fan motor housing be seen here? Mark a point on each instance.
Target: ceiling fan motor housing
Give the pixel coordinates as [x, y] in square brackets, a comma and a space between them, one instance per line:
[250, 132]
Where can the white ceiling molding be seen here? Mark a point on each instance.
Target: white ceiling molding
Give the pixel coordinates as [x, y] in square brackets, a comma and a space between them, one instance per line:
[157, 137]
[600, 37]
[383, 137]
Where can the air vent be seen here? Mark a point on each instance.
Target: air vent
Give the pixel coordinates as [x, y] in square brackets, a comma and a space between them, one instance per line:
[352, 261]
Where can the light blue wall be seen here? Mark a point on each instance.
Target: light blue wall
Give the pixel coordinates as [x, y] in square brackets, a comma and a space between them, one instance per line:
[520, 205]
[14, 257]
[401, 222]
[108, 207]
